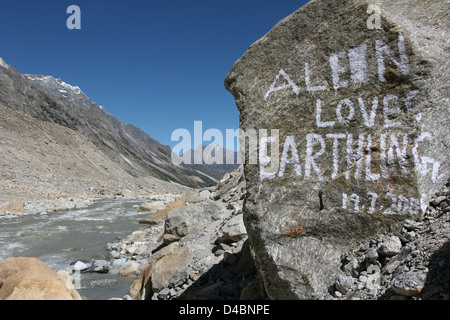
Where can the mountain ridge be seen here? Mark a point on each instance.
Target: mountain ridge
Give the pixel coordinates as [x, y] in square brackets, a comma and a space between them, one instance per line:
[51, 100]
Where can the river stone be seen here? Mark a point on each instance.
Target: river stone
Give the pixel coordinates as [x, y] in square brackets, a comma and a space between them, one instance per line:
[31, 279]
[13, 206]
[362, 119]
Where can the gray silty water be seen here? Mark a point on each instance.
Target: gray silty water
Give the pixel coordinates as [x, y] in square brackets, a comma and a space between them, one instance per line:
[53, 237]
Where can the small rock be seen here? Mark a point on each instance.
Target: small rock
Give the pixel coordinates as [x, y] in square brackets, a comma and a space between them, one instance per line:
[119, 263]
[371, 255]
[391, 266]
[364, 246]
[436, 202]
[112, 255]
[411, 224]
[98, 256]
[80, 265]
[141, 250]
[62, 209]
[131, 249]
[409, 236]
[344, 283]
[17, 206]
[179, 277]
[164, 294]
[351, 267]
[390, 246]
[81, 204]
[219, 252]
[138, 239]
[205, 194]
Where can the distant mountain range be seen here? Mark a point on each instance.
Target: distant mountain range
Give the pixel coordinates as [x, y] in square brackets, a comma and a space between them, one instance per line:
[52, 100]
[215, 158]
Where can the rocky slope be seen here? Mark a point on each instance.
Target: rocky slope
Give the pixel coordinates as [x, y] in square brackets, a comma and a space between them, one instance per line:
[196, 249]
[102, 147]
[45, 160]
[30, 279]
[413, 263]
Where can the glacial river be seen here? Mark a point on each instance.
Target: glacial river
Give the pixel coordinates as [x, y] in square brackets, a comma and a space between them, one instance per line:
[61, 238]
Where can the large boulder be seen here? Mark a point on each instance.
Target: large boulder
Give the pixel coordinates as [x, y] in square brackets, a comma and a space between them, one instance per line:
[31, 279]
[354, 100]
[162, 266]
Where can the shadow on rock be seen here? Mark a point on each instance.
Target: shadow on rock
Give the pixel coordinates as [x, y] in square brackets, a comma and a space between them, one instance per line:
[437, 284]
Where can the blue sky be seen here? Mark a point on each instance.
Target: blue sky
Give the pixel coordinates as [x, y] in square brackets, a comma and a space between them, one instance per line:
[159, 65]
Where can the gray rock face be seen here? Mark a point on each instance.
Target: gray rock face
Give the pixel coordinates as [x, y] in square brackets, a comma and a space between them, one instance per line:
[356, 122]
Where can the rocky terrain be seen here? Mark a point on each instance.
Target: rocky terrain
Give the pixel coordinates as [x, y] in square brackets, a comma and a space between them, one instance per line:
[42, 160]
[195, 247]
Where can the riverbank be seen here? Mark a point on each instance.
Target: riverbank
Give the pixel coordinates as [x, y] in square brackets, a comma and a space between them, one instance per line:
[59, 238]
[18, 207]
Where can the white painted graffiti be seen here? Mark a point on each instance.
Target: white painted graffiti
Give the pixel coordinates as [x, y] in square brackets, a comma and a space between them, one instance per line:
[356, 59]
[392, 157]
[399, 204]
